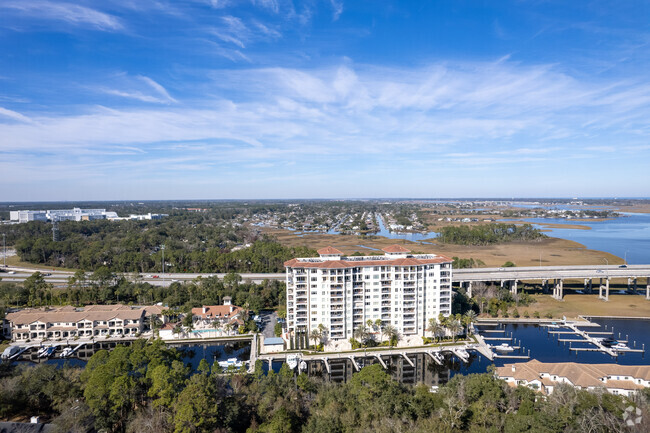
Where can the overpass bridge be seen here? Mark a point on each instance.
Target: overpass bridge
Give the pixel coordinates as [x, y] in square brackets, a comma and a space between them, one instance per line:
[554, 277]
[549, 276]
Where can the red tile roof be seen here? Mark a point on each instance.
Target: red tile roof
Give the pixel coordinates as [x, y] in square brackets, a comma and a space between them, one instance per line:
[329, 251]
[338, 264]
[217, 311]
[396, 249]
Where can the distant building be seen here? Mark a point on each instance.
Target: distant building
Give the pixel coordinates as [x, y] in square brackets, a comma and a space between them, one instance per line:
[70, 322]
[76, 214]
[544, 377]
[148, 216]
[399, 288]
[24, 216]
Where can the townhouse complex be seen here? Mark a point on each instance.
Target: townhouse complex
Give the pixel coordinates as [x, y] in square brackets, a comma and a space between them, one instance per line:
[71, 322]
[399, 288]
[546, 376]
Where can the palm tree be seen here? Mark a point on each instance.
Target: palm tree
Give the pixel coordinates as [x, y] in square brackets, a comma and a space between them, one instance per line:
[228, 328]
[323, 332]
[470, 318]
[316, 335]
[434, 328]
[454, 327]
[361, 334]
[393, 336]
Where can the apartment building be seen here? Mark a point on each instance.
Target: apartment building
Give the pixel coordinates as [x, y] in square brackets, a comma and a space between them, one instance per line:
[398, 288]
[71, 322]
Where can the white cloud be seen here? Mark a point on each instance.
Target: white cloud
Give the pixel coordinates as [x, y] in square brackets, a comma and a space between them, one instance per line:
[14, 115]
[67, 12]
[129, 87]
[442, 115]
[337, 7]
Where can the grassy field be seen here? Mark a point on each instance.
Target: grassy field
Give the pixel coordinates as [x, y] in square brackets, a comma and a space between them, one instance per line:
[15, 261]
[552, 251]
[589, 305]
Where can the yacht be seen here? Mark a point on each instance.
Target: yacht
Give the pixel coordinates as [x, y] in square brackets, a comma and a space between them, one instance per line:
[293, 360]
[230, 362]
[504, 347]
[10, 351]
[46, 351]
[66, 352]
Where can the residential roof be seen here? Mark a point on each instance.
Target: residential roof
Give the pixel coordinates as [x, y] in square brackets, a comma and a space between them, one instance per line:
[272, 341]
[329, 251]
[582, 375]
[396, 249]
[67, 315]
[217, 311]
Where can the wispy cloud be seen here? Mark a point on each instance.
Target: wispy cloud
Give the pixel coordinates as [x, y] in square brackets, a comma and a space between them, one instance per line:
[337, 7]
[140, 88]
[68, 13]
[441, 116]
[14, 115]
[234, 31]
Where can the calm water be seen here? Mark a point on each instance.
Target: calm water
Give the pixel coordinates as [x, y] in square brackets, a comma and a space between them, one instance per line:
[542, 345]
[383, 231]
[628, 235]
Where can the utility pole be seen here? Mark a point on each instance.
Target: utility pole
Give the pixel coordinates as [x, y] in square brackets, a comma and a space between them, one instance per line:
[163, 263]
[4, 244]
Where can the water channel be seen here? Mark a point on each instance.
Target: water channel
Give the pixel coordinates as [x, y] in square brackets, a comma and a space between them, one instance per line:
[533, 339]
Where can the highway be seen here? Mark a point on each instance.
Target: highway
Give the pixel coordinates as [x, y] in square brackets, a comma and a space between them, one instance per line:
[550, 272]
[459, 275]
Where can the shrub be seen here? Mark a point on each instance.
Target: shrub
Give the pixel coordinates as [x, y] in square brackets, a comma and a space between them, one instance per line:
[536, 314]
[548, 316]
[526, 315]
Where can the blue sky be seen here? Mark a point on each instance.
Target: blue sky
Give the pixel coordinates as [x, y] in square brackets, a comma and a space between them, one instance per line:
[155, 99]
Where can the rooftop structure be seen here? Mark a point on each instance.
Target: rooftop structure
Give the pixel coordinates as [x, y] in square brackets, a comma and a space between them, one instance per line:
[399, 288]
[544, 377]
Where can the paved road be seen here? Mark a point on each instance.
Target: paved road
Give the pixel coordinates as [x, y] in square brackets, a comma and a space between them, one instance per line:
[269, 319]
[474, 274]
[551, 272]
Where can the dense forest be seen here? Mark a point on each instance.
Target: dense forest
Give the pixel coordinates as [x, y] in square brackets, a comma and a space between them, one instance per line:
[489, 234]
[105, 287]
[146, 387]
[193, 243]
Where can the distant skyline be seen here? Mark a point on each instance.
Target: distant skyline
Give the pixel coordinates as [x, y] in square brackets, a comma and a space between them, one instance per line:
[264, 99]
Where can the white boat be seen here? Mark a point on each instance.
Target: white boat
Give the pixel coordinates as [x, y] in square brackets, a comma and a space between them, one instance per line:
[303, 366]
[10, 351]
[66, 352]
[620, 346]
[46, 351]
[230, 362]
[292, 361]
[504, 347]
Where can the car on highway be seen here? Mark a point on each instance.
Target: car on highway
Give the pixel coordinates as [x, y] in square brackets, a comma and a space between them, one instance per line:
[47, 274]
[502, 269]
[599, 271]
[623, 266]
[11, 272]
[155, 276]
